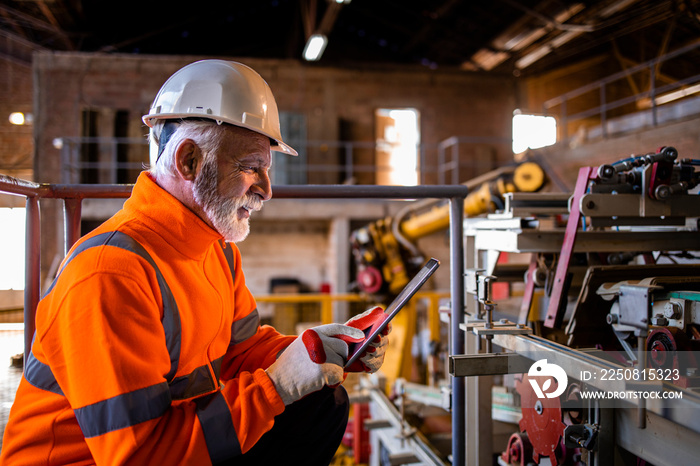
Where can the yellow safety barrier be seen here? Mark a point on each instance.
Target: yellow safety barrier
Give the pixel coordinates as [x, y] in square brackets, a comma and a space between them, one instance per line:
[326, 301]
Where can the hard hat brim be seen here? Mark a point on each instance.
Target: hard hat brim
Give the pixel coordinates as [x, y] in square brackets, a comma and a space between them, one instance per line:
[279, 146]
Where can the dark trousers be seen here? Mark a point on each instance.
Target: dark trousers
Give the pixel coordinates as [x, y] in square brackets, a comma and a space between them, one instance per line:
[308, 432]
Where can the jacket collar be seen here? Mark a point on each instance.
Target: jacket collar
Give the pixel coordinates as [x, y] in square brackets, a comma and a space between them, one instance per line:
[171, 219]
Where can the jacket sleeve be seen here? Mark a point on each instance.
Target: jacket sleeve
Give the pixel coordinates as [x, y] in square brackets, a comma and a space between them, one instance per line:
[104, 342]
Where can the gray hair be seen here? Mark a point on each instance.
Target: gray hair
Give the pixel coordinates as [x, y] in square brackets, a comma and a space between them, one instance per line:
[207, 134]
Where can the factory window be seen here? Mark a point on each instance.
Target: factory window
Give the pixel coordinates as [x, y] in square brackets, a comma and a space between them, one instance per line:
[397, 135]
[286, 169]
[106, 153]
[12, 248]
[533, 131]
[89, 151]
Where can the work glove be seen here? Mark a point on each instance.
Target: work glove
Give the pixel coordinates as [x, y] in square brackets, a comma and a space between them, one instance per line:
[373, 357]
[313, 360]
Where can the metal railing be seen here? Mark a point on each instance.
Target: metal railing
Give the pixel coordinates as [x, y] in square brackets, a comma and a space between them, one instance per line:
[651, 67]
[447, 157]
[73, 194]
[450, 147]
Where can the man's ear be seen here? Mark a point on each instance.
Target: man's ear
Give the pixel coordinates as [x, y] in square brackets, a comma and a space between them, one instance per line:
[188, 158]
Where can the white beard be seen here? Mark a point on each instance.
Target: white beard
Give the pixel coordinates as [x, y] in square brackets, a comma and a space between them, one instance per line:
[222, 211]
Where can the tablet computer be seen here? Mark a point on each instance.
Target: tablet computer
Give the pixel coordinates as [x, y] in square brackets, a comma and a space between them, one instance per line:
[399, 302]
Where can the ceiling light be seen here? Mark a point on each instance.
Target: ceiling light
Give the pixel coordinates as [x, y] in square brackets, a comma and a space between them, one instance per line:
[314, 47]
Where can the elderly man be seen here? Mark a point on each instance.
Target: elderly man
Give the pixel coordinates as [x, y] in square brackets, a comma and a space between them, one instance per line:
[148, 348]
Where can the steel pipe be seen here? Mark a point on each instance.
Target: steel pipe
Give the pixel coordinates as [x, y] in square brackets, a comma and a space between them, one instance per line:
[72, 209]
[457, 291]
[32, 271]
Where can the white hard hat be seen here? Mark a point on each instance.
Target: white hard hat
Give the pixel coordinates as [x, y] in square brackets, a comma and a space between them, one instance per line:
[223, 91]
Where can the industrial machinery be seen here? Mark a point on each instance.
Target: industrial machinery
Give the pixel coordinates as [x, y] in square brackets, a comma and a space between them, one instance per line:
[385, 251]
[605, 295]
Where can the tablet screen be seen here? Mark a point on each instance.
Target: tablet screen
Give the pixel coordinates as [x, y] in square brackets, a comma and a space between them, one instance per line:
[403, 297]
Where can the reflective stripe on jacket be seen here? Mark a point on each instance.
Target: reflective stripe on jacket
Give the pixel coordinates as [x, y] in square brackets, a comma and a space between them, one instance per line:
[148, 348]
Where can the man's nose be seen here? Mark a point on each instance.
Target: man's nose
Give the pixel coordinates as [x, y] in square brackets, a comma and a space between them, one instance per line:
[263, 187]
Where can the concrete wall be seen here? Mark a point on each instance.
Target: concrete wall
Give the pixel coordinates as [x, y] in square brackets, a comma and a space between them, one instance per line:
[306, 239]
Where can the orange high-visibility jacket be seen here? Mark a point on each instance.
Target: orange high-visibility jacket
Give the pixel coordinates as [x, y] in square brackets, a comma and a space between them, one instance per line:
[148, 348]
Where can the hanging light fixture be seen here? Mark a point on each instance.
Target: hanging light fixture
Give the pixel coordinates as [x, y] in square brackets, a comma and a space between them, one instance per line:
[315, 46]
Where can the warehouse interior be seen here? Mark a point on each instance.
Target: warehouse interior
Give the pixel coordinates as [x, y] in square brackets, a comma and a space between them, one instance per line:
[579, 249]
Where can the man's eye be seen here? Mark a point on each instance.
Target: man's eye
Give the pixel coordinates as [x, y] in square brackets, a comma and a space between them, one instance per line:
[248, 168]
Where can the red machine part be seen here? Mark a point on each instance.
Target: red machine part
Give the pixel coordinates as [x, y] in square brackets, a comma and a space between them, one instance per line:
[519, 450]
[670, 348]
[542, 421]
[360, 443]
[543, 424]
[370, 280]
[661, 344]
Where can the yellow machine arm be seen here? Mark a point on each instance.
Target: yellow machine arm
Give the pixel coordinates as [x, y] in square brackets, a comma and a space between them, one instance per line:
[526, 177]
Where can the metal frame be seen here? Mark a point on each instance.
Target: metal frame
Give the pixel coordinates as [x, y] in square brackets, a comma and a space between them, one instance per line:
[73, 194]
